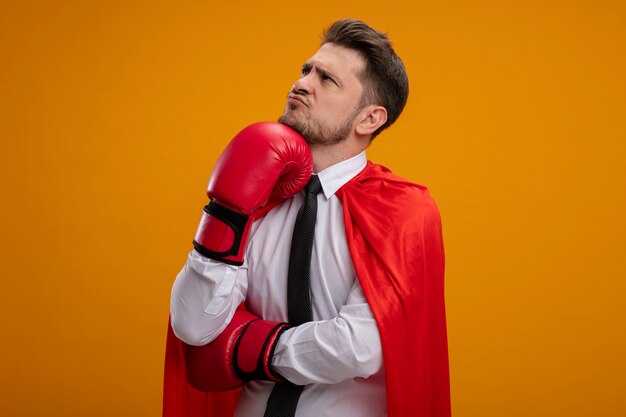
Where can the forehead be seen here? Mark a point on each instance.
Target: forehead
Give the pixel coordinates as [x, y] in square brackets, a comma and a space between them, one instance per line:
[340, 60]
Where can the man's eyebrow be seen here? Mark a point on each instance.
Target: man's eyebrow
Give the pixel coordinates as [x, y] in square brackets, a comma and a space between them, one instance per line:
[307, 66]
[326, 72]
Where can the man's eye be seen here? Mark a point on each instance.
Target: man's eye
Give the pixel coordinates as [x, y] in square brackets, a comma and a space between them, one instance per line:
[327, 78]
[306, 70]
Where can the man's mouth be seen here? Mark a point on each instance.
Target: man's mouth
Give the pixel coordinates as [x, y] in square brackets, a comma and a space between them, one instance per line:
[291, 97]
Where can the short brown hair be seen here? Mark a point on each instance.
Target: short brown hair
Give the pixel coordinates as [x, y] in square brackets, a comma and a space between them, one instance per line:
[385, 81]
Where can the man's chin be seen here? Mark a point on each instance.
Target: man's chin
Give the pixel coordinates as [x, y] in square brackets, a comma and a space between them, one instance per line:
[292, 123]
[286, 119]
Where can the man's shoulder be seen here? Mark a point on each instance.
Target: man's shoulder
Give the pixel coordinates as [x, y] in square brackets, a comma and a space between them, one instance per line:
[382, 182]
[385, 204]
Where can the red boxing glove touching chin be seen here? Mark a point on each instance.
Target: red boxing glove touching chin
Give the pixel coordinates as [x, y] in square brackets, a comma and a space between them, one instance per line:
[265, 160]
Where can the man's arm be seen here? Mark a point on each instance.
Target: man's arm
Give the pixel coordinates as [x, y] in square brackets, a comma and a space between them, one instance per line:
[204, 298]
[262, 162]
[331, 351]
[325, 351]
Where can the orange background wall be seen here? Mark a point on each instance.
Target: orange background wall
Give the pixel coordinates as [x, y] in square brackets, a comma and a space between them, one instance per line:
[113, 113]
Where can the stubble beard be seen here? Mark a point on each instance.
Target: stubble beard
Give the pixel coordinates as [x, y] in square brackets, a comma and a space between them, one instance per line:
[313, 133]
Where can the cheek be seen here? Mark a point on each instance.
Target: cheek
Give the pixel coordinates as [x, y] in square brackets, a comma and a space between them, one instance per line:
[335, 108]
[344, 111]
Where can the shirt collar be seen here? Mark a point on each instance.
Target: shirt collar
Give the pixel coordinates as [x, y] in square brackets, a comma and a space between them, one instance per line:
[335, 176]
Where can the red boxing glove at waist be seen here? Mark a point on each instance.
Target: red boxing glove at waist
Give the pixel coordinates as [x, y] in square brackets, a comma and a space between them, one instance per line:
[242, 352]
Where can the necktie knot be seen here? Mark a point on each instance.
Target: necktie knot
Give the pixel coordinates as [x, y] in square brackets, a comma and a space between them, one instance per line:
[314, 185]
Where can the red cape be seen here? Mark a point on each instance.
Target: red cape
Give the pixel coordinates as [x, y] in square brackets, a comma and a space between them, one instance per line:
[394, 235]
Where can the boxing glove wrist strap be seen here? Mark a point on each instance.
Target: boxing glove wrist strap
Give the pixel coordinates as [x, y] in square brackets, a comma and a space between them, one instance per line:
[233, 222]
[254, 350]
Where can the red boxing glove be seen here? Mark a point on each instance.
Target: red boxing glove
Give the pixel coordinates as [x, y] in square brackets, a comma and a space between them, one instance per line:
[264, 160]
[242, 352]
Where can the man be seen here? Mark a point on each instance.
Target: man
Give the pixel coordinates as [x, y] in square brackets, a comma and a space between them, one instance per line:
[376, 341]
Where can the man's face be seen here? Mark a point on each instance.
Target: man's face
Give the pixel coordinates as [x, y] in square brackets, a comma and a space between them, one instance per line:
[324, 101]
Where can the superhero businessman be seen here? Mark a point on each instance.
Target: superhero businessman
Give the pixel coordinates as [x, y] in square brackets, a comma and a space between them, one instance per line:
[315, 286]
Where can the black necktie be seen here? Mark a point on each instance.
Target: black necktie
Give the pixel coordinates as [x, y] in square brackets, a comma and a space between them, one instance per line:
[284, 397]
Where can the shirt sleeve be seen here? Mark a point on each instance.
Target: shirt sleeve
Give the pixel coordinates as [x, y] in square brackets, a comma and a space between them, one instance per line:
[204, 298]
[331, 351]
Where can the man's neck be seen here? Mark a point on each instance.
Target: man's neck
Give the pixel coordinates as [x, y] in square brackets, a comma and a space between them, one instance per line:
[326, 156]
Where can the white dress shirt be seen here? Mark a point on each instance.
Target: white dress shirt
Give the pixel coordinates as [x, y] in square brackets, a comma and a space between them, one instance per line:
[338, 355]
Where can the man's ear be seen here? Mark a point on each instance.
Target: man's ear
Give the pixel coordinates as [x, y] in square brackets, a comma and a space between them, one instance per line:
[371, 117]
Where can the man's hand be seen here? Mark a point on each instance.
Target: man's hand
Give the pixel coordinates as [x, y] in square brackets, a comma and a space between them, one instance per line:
[242, 352]
[265, 160]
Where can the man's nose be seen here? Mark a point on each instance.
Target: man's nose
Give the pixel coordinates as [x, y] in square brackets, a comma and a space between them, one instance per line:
[303, 84]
